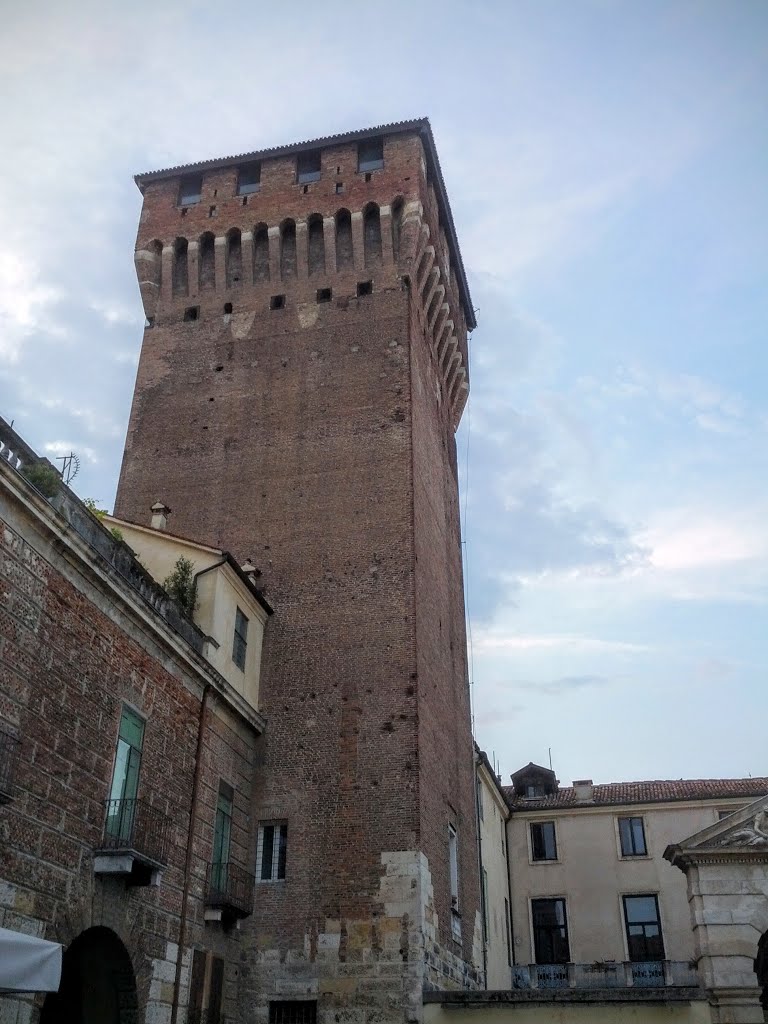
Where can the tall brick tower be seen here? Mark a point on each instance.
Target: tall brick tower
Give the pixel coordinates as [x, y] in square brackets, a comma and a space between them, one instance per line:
[303, 370]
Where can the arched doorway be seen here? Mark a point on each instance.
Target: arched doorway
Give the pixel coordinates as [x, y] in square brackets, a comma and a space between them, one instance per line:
[761, 970]
[97, 983]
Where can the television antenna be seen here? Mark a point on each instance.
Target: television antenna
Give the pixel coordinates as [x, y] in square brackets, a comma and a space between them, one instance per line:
[70, 467]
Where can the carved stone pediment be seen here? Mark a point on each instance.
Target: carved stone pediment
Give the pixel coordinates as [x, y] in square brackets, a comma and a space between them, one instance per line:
[754, 833]
[745, 832]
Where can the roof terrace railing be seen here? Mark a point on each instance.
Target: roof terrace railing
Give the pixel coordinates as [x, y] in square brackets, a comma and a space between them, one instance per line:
[606, 974]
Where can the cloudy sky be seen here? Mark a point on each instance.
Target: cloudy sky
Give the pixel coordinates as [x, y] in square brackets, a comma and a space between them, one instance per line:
[606, 162]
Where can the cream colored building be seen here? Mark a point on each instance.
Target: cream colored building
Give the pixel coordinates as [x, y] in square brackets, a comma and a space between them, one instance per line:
[492, 817]
[229, 608]
[588, 878]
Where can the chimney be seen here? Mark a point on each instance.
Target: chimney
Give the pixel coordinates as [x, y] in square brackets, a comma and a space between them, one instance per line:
[160, 513]
[584, 791]
[250, 570]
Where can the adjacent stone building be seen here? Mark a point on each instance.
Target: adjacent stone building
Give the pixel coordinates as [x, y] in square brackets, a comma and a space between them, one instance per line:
[127, 764]
[587, 872]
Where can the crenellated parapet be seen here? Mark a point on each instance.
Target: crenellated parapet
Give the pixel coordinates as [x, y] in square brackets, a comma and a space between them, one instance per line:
[282, 230]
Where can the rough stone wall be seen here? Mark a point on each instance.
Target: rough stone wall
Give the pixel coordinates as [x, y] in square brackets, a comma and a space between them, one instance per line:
[287, 435]
[69, 659]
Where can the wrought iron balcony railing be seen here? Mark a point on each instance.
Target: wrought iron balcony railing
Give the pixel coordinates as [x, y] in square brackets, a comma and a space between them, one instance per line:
[230, 889]
[606, 974]
[9, 756]
[136, 827]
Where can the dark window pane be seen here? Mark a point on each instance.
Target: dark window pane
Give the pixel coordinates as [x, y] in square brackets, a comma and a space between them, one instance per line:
[370, 155]
[190, 190]
[248, 179]
[632, 837]
[266, 851]
[644, 939]
[543, 844]
[308, 167]
[550, 931]
[239, 642]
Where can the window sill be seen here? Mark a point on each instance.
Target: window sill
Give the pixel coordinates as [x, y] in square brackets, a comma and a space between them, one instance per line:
[635, 856]
[539, 863]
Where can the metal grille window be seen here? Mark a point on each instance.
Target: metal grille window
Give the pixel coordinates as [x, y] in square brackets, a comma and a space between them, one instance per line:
[644, 939]
[550, 931]
[240, 640]
[543, 842]
[271, 849]
[632, 836]
[370, 155]
[190, 190]
[293, 1011]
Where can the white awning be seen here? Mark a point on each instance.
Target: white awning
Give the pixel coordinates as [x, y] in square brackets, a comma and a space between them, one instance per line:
[28, 964]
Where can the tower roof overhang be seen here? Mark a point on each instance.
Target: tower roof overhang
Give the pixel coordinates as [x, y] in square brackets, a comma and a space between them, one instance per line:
[419, 126]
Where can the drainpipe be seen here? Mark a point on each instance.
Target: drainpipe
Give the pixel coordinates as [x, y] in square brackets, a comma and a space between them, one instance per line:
[201, 725]
[483, 908]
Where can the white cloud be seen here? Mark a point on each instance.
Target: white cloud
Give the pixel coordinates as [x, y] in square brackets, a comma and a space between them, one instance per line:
[25, 303]
[498, 639]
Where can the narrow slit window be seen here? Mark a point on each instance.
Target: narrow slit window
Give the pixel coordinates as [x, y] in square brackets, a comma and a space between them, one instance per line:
[240, 640]
[271, 851]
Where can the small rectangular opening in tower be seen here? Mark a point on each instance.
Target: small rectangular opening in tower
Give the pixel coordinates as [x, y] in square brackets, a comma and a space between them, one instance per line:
[248, 179]
[211, 211]
[293, 1011]
[192, 313]
[324, 294]
[339, 187]
[277, 302]
[364, 288]
[370, 155]
[190, 189]
[308, 167]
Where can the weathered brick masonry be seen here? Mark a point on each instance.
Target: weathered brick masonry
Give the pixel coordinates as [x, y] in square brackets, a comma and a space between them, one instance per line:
[318, 440]
[84, 631]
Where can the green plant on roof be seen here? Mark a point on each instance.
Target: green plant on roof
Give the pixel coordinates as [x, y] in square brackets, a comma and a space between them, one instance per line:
[180, 584]
[44, 477]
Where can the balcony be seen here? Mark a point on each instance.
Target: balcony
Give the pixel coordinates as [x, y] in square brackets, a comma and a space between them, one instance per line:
[605, 975]
[135, 841]
[229, 893]
[9, 756]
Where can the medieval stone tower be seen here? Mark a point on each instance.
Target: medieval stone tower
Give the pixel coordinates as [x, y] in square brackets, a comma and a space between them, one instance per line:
[303, 370]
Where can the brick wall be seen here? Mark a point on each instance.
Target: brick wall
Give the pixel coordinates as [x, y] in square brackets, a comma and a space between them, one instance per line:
[310, 439]
[71, 654]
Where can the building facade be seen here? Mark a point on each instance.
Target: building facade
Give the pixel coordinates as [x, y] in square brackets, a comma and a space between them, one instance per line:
[588, 877]
[127, 764]
[302, 373]
[492, 824]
